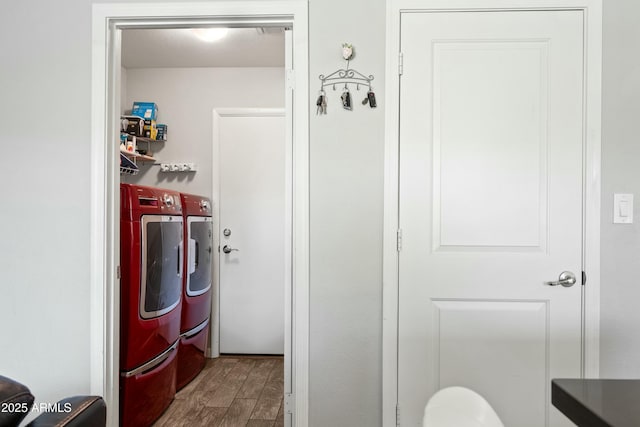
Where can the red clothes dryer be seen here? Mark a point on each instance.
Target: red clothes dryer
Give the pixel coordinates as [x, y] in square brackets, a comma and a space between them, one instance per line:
[196, 296]
[151, 262]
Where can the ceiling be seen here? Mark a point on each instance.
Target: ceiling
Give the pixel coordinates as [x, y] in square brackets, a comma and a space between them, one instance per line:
[172, 48]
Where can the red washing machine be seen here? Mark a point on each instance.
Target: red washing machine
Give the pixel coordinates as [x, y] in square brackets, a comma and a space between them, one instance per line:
[151, 262]
[196, 294]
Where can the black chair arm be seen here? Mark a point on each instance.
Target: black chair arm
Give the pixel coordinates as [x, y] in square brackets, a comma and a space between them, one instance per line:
[15, 402]
[76, 411]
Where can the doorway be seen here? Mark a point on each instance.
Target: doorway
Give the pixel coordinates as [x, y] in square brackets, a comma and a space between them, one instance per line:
[109, 20]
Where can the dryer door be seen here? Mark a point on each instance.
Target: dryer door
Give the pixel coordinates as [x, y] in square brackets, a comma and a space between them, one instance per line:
[161, 276]
[200, 255]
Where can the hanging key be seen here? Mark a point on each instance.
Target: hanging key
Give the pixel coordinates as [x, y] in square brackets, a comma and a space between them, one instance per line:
[320, 103]
[371, 97]
[346, 99]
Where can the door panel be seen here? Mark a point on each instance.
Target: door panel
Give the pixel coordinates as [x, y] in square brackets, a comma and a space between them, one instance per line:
[487, 344]
[490, 208]
[252, 208]
[514, 123]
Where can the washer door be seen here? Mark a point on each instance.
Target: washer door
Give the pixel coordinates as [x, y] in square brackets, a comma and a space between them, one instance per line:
[161, 276]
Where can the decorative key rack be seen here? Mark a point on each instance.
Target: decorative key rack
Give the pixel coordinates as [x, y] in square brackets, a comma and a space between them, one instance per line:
[345, 78]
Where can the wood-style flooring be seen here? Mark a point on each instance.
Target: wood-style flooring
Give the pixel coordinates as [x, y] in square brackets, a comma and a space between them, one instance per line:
[231, 392]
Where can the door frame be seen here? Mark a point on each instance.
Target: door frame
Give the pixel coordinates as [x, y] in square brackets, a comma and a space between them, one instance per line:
[108, 19]
[591, 176]
[218, 113]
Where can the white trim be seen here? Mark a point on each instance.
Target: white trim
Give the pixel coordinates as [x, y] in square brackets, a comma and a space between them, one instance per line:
[592, 179]
[107, 19]
[215, 197]
[390, 222]
[288, 267]
[105, 202]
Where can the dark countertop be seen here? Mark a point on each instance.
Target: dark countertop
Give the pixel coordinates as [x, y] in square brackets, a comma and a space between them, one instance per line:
[598, 403]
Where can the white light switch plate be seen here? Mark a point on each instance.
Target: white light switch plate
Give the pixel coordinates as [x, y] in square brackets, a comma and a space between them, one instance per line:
[623, 208]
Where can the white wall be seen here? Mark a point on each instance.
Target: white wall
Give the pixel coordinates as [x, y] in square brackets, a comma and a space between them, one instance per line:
[186, 98]
[620, 319]
[347, 172]
[45, 82]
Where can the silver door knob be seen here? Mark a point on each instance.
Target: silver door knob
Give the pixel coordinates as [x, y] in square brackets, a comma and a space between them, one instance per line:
[227, 250]
[566, 279]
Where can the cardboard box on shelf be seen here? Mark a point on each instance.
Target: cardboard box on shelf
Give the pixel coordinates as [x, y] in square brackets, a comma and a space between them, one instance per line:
[162, 132]
[150, 129]
[146, 110]
[134, 126]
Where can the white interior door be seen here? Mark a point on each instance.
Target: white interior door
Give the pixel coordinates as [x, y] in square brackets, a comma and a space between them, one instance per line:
[252, 231]
[490, 208]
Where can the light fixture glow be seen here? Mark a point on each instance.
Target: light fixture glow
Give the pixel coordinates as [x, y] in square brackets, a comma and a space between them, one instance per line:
[210, 34]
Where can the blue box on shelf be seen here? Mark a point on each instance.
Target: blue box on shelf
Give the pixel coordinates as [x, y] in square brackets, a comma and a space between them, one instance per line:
[162, 132]
[146, 110]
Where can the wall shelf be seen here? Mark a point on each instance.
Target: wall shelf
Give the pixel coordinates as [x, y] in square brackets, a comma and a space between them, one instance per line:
[137, 156]
[129, 162]
[148, 140]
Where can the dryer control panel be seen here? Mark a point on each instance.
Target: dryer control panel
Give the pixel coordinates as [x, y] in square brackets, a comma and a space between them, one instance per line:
[149, 200]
